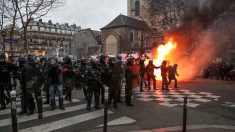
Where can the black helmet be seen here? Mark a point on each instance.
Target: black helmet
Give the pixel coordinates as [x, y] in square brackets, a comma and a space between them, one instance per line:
[164, 62]
[130, 61]
[102, 58]
[112, 59]
[22, 59]
[67, 60]
[83, 61]
[2, 56]
[119, 57]
[93, 62]
[31, 58]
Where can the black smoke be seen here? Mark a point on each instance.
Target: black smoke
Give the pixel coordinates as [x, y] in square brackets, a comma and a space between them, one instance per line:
[205, 33]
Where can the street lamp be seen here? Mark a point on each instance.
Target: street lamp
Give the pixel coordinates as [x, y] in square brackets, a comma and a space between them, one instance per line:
[3, 33]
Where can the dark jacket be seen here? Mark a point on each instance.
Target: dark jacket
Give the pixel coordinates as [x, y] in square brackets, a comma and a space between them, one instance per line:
[55, 75]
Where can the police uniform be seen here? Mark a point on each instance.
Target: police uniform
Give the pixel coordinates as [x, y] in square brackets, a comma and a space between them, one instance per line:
[129, 77]
[6, 69]
[31, 75]
[92, 80]
[150, 74]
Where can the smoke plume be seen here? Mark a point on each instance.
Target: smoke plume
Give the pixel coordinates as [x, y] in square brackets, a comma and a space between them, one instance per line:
[204, 34]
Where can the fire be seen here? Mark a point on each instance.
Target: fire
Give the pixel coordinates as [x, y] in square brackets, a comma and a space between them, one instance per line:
[161, 54]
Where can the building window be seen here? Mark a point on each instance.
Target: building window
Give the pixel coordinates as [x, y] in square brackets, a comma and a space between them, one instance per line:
[137, 8]
[131, 37]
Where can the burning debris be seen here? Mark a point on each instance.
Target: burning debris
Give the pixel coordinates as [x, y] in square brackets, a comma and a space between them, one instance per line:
[203, 36]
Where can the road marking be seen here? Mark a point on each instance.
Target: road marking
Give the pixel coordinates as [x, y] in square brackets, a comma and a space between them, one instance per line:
[163, 99]
[160, 96]
[206, 93]
[177, 96]
[202, 100]
[212, 96]
[182, 99]
[45, 113]
[143, 95]
[65, 122]
[120, 121]
[194, 96]
[168, 104]
[144, 99]
[192, 105]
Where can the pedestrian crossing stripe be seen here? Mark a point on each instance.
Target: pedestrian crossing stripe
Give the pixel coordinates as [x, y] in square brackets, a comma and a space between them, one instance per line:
[5, 124]
[65, 122]
[8, 110]
[175, 97]
[25, 118]
[120, 121]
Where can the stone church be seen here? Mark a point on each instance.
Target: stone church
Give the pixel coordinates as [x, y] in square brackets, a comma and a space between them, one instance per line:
[124, 35]
[140, 30]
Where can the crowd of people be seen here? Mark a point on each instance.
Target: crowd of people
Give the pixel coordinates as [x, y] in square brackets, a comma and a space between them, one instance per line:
[39, 75]
[218, 70]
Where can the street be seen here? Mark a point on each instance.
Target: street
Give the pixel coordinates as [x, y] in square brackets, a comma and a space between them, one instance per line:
[210, 102]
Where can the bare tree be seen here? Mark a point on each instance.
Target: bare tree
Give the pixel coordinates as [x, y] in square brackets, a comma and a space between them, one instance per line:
[33, 9]
[163, 15]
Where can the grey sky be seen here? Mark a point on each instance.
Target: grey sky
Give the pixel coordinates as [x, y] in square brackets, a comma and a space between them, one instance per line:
[92, 14]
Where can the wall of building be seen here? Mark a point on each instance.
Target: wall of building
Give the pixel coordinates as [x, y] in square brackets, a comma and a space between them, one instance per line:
[123, 36]
[85, 44]
[49, 38]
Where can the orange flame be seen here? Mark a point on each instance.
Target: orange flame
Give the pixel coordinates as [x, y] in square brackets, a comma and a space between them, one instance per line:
[162, 53]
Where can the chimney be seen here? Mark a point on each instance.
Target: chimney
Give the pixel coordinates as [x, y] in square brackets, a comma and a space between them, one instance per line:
[49, 22]
[66, 24]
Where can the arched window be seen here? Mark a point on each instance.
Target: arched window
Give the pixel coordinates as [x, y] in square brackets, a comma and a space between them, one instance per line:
[137, 8]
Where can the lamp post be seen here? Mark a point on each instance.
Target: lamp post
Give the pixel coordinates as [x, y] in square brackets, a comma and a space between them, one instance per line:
[3, 33]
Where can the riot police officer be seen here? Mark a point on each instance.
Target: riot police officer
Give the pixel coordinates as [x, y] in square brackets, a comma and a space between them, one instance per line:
[22, 60]
[172, 75]
[164, 71]
[6, 69]
[31, 75]
[92, 80]
[103, 64]
[82, 70]
[68, 76]
[150, 74]
[119, 77]
[129, 77]
[142, 74]
[111, 75]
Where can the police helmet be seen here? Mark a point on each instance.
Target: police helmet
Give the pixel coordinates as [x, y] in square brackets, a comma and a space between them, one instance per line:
[67, 60]
[83, 61]
[31, 58]
[102, 58]
[164, 62]
[119, 57]
[130, 61]
[112, 59]
[2, 56]
[22, 59]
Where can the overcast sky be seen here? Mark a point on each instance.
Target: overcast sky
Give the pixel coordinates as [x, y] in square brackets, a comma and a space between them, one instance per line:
[93, 14]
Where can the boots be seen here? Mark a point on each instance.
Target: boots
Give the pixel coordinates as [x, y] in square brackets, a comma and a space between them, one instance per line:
[61, 104]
